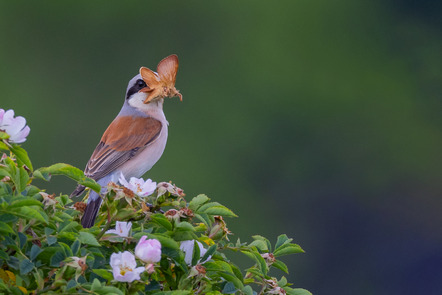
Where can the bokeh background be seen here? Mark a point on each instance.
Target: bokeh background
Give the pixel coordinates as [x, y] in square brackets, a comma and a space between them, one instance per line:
[318, 119]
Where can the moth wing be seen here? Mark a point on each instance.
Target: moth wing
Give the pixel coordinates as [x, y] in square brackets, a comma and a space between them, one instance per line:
[168, 68]
[150, 77]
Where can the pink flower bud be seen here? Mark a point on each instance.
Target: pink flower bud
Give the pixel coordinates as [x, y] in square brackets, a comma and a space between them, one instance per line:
[148, 251]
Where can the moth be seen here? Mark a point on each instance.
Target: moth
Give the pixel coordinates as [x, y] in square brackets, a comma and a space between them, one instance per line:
[161, 84]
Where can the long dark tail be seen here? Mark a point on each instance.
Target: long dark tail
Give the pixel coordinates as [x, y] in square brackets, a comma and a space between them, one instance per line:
[78, 191]
[92, 207]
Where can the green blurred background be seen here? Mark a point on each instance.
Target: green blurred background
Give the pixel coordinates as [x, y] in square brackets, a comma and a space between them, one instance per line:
[318, 119]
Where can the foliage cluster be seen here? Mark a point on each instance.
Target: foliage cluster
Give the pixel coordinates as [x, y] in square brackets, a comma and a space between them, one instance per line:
[45, 250]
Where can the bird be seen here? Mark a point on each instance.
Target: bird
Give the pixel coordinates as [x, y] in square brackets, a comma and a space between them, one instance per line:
[136, 138]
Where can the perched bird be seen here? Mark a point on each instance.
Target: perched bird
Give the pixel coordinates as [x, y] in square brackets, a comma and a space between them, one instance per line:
[136, 138]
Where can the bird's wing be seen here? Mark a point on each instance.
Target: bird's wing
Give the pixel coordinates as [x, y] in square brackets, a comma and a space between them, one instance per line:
[124, 138]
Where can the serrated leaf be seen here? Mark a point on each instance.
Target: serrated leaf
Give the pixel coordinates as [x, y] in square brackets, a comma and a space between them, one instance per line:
[196, 253]
[22, 239]
[297, 291]
[71, 172]
[220, 210]
[51, 240]
[178, 292]
[75, 247]
[229, 288]
[247, 290]
[280, 265]
[25, 202]
[282, 239]
[95, 285]
[58, 257]
[5, 228]
[162, 221]
[104, 273]
[204, 207]
[22, 156]
[184, 226]
[88, 238]
[287, 249]
[204, 218]
[209, 252]
[254, 254]
[196, 202]
[71, 284]
[42, 175]
[230, 277]
[48, 231]
[35, 250]
[26, 266]
[282, 282]
[269, 245]
[260, 244]
[27, 213]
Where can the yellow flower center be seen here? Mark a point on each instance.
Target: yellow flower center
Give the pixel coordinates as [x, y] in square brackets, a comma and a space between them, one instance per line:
[139, 190]
[125, 269]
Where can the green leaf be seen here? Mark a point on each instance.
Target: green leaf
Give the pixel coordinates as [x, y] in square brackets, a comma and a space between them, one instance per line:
[5, 228]
[51, 240]
[58, 257]
[247, 290]
[260, 244]
[196, 202]
[104, 273]
[35, 250]
[229, 288]
[282, 239]
[88, 238]
[207, 205]
[22, 239]
[178, 292]
[287, 249]
[42, 175]
[25, 202]
[280, 265]
[230, 277]
[71, 172]
[196, 253]
[21, 156]
[27, 213]
[162, 221]
[254, 254]
[282, 282]
[297, 291]
[48, 231]
[220, 210]
[75, 247]
[184, 226]
[26, 266]
[204, 218]
[209, 252]
[261, 238]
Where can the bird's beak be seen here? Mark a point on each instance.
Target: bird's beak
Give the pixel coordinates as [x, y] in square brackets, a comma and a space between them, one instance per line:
[145, 89]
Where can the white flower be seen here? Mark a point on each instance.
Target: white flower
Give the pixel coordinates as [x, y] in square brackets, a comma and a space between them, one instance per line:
[124, 267]
[187, 248]
[15, 127]
[121, 228]
[138, 185]
[148, 250]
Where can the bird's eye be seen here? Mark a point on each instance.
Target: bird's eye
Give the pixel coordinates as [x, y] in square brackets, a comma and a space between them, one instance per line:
[141, 83]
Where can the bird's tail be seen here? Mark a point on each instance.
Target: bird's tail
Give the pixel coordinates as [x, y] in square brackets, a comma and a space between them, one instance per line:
[90, 213]
[78, 191]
